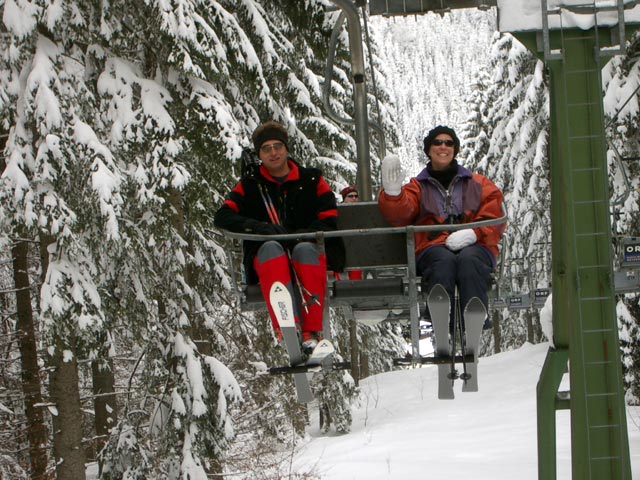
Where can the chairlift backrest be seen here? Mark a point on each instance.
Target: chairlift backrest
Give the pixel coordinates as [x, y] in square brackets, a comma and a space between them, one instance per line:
[627, 278]
[540, 296]
[366, 251]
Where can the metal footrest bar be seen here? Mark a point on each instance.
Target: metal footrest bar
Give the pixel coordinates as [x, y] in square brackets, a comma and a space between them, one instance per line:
[439, 360]
[286, 370]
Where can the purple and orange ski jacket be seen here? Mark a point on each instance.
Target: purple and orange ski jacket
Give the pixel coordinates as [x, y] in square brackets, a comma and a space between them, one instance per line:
[424, 201]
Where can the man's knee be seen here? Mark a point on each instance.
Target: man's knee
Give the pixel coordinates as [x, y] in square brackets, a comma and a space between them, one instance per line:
[269, 250]
[305, 252]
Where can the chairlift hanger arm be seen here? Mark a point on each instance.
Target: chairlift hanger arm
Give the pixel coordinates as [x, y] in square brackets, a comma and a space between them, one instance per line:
[363, 177]
[326, 91]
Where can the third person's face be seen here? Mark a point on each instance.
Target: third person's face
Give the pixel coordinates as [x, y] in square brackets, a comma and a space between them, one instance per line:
[351, 197]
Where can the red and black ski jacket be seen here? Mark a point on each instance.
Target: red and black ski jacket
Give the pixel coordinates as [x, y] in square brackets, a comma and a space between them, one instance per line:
[304, 203]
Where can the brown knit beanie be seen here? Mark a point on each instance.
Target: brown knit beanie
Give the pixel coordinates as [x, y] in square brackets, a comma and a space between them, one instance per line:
[269, 130]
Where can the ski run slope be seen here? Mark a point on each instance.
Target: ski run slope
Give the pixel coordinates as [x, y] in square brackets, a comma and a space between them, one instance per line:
[402, 431]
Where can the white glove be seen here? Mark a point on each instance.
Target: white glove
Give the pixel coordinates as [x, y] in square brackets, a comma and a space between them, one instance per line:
[392, 175]
[460, 239]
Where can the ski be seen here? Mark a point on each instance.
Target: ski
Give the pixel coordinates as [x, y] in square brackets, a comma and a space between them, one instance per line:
[320, 360]
[322, 354]
[439, 308]
[475, 314]
[282, 303]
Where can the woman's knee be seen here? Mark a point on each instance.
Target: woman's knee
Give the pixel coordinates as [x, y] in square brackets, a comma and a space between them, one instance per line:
[436, 258]
[475, 265]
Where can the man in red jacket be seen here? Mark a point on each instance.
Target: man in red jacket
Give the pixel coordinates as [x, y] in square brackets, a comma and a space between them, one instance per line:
[445, 192]
[280, 196]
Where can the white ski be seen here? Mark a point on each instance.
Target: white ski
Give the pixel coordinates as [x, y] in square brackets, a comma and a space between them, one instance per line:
[475, 314]
[282, 303]
[322, 354]
[439, 308]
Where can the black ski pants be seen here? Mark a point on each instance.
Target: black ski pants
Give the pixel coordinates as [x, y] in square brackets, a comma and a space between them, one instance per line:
[469, 269]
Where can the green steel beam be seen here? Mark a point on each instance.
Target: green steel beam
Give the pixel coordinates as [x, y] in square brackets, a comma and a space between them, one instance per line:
[555, 365]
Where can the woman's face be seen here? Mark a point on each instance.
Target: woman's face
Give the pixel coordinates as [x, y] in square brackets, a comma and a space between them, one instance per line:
[441, 152]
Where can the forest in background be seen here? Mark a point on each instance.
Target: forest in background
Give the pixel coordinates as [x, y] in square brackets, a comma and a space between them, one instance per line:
[122, 126]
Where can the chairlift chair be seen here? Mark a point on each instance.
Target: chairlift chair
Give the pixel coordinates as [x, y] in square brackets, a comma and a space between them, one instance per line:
[386, 253]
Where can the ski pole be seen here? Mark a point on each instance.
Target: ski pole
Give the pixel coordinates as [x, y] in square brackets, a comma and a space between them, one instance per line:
[454, 373]
[268, 204]
[463, 347]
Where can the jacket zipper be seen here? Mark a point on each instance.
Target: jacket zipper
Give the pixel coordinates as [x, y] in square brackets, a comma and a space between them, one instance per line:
[446, 195]
[283, 214]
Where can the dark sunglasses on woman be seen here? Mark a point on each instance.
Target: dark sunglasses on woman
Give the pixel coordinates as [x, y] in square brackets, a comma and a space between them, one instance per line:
[438, 141]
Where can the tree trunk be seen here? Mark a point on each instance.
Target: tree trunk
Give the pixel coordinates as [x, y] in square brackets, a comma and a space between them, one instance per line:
[199, 333]
[36, 429]
[355, 346]
[529, 319]
[68, 450]
[104, 402]
[497, 334]
[537, 328]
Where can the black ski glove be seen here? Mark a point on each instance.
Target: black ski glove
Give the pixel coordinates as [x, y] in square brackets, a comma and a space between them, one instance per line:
[263, 228]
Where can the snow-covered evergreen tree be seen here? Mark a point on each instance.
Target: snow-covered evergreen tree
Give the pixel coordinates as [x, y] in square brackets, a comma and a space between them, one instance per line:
[622, 118]
[126, 123]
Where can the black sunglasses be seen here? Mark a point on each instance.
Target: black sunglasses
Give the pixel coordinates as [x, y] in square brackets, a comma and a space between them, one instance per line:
[438, 141]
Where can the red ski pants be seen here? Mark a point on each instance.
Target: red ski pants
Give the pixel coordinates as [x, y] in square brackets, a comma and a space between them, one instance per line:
[307, 285]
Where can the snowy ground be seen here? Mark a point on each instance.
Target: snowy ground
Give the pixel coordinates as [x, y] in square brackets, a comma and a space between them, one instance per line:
[402, 431]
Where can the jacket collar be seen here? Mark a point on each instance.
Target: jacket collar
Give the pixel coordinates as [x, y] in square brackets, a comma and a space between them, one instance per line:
[294, 172]
[424, 173]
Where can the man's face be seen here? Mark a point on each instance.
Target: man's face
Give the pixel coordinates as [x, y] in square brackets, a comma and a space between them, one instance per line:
[441, 151]
[273, 155]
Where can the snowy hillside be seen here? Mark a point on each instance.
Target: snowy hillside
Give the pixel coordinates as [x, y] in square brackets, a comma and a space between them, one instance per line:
[402, 431]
